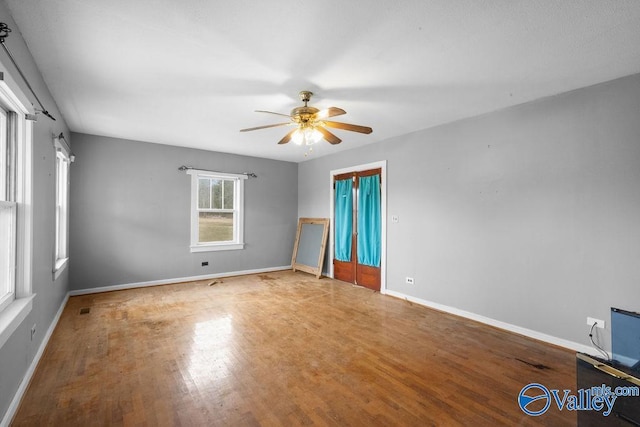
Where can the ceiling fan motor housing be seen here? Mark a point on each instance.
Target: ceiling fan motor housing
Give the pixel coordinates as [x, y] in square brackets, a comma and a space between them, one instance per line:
[303, 114]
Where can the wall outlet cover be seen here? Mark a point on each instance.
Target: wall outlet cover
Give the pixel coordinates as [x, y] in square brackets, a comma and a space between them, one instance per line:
[599, 323]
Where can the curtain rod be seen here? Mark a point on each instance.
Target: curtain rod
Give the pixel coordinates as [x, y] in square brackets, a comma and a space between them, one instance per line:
[65, 143]
[4, 32]
[184, 168]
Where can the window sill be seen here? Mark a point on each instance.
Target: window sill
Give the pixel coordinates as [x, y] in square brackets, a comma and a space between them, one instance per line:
[222, 247]
[12, 316]
[61, 264]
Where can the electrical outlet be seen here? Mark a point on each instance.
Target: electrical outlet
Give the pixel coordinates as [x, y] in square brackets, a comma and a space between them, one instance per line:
[33, 331]
[599, 323]
[409, 280]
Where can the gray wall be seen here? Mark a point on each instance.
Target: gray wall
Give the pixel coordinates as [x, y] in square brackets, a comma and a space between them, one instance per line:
[18, 352]
[529, 215]
[130, 213]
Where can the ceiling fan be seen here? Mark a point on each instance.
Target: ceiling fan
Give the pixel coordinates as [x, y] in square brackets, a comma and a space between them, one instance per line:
[310, 124]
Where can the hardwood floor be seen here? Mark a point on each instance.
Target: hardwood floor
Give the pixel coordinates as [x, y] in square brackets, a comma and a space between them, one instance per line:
[282, 349]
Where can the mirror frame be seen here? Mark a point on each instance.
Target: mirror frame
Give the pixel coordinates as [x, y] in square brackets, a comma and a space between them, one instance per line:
[312, 269]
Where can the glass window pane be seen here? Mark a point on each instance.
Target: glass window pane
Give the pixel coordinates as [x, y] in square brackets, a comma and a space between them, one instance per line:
[62, 206]
[59, 180]
[215, 227]
[57, 248]
[228, 194]
[7, 249]
[216, 193]
[204, 194]
[3, 155]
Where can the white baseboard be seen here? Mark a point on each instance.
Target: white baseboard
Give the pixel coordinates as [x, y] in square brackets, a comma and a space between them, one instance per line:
[499, 324]
[174, 280]
[13, 407]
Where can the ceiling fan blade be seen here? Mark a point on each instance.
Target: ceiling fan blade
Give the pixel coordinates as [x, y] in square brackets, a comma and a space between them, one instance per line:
[271, 112]
[347, 126]
[329, 112]
[265, 127]
[287, 137]
[331, 138]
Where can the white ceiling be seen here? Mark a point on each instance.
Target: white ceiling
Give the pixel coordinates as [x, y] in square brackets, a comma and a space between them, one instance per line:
[191, 73]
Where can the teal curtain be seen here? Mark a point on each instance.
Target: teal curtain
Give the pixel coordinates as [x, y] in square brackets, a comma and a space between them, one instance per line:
[343, 219]
[369, 221]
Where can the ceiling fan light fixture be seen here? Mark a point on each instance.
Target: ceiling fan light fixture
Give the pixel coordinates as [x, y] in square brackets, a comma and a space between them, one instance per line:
[306, 136]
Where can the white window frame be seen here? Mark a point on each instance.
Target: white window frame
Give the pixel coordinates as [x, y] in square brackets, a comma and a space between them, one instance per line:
[238, 210]
[13, 99]
[61, 248]
[4, 148]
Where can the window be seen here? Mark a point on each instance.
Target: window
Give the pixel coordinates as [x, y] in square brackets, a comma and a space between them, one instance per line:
[63, 160]
[16, 297]
[7, 214]
[217, 217]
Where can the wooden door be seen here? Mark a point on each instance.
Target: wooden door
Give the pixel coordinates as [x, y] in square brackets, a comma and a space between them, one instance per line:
[348, 269]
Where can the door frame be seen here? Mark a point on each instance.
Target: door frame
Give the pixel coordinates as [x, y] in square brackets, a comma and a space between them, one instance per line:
[383, 210]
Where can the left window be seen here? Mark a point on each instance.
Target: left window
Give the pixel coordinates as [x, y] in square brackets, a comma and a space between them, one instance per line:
[217, 211]
[16, 225]
[8, 210]
[63, 160]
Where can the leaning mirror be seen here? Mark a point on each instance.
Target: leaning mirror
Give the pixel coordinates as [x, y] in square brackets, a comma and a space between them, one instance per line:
[310, 245]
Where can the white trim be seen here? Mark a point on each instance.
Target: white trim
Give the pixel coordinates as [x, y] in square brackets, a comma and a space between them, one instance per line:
[211, 173]
[550, 339]
[59, 267]
[212, 247]
[4, 150]
[174, 280]
[12, 316]
[60, 144]
[10, 88]
[17, 398]
[383, 221]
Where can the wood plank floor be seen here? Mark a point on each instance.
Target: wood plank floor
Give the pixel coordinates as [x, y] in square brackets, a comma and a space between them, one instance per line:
[282, 349]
